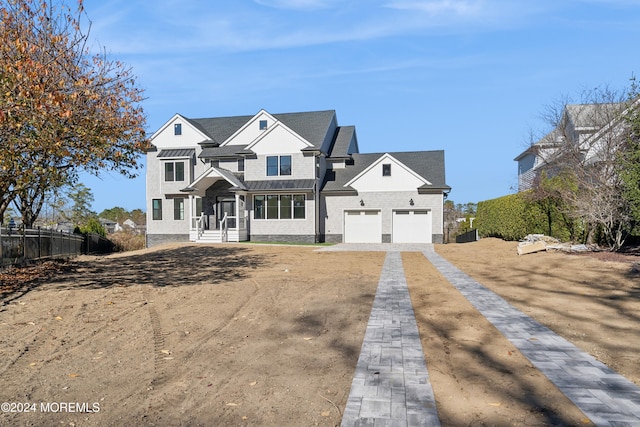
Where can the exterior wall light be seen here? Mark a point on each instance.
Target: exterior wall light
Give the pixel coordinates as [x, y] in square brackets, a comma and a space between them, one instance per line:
[411, 201]
[361, 202]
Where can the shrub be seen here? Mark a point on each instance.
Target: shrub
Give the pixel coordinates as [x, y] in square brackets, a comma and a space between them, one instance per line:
[127, 241]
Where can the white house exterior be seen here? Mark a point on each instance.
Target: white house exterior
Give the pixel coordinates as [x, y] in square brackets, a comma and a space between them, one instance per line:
[587, 126]
[296, 177]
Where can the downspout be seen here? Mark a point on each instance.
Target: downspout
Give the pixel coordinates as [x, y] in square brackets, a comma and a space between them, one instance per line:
[316, 188]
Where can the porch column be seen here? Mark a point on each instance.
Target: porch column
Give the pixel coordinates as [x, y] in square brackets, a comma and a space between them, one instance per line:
[191, 211]
[237, 210]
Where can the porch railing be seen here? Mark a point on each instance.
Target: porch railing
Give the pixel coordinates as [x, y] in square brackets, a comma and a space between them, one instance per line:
[200, 226]
[223, 229]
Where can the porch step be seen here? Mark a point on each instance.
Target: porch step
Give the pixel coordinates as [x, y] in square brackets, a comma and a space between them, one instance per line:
[210, 236]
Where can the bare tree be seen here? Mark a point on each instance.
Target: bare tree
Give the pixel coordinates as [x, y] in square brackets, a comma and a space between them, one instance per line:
[585, 146]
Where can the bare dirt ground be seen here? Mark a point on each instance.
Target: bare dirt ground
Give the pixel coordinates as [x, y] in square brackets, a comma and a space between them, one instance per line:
[189, 335]
[270, 335]
[478, 377]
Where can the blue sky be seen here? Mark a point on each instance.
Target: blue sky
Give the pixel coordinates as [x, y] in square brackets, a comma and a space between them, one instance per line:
[470, 77]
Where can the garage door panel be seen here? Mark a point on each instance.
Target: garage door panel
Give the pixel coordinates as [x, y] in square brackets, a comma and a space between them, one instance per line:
[412, 226]
[362, 227]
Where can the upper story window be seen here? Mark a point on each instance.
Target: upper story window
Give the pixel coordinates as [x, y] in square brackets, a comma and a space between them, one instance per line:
[263, 124]
[278, 165]
[386, 170]
[240, 165]
[177, 129]
[174, 171]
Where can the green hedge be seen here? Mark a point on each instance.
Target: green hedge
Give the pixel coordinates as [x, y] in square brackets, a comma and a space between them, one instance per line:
[512, 217]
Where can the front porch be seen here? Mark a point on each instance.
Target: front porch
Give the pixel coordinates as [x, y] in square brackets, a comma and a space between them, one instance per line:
[217, 208]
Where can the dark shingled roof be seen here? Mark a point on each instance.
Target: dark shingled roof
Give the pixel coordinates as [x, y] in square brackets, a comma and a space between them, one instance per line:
[282, 184]
[345, 142]
[428, 164]
[175, 153]
[224, 151]
[312, 126]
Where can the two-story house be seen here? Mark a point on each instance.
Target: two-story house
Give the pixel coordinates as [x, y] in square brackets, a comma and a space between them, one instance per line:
[294, 177]
[585, 129]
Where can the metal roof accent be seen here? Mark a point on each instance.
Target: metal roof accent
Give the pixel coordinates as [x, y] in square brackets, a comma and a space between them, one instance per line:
[177, 153]
[281, 184]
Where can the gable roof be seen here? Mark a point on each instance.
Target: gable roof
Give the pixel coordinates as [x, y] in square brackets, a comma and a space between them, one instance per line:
[428, 164]
[345, 143]
[312, 126]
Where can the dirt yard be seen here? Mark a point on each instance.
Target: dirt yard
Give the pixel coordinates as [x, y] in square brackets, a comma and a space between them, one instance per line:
[270, 335]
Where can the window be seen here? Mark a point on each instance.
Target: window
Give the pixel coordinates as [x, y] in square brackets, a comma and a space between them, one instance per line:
[298, 206]
[178, 208]
[263, 124]
[272, 207]
[240, 165]
[258, 207]
[278, 165]
[284, 206]
[199, 206]
[174, 171]
[285, 165]
[272, 165]
[157, 209]
[386, 170]
[177, 129]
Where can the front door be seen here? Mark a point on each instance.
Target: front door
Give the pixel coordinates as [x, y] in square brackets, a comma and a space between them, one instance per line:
[227, 207]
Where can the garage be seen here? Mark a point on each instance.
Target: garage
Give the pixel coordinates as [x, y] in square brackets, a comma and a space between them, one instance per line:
[362, 226]
[411, 226]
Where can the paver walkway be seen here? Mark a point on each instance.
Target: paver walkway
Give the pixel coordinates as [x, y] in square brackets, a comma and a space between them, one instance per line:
[391, 384]
[604, 396]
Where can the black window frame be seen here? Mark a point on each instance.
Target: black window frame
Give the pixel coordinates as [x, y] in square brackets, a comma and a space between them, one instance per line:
[386, 169]
[156, 209]
[270, 207]
[174, 171]
[177, 129]
[178, 209]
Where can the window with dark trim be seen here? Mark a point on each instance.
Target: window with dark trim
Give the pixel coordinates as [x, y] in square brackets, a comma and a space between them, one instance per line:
[177, 129]
[174, 171]
[258, 207]
[283, 206]
[157, 209]
[278, 165]
[386, 170]
[178, 208]
[263, 124]
[285, 165]
[240, 165]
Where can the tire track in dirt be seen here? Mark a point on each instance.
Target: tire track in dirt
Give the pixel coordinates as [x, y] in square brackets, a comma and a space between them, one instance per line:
[159, 352]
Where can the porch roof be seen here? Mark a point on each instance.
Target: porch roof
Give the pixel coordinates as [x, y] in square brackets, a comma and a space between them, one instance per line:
[281, 184]
[177, 153]
[209, 177]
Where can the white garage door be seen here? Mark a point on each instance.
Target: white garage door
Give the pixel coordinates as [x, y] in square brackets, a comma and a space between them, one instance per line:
[412, 226]
[362, 227]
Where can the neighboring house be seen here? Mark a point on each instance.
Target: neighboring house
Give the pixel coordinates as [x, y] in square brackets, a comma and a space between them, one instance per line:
[109, 225]
[294, 177]
[586, 126]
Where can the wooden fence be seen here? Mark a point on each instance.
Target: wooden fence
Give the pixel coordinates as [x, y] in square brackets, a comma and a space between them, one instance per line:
[19, 247]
